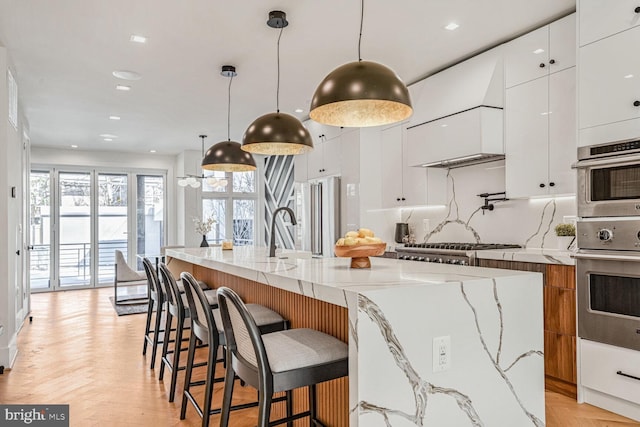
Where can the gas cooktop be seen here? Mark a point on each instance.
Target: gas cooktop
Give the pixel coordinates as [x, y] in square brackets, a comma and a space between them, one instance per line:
[460, 246]
[446, 253]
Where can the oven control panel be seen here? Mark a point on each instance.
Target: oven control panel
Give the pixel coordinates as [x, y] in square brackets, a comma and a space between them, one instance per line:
[610, 234]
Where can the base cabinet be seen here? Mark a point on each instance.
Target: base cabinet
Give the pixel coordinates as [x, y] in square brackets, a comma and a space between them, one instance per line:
[560, 366]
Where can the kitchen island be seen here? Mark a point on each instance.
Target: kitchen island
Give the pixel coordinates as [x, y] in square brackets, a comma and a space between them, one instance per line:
[429, 344]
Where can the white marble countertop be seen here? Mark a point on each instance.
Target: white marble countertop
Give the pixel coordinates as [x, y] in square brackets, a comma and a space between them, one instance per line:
[328, 279]
[537, 255]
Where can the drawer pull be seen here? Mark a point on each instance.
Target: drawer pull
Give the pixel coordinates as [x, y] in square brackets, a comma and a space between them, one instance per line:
[627, 375]
[637, 9]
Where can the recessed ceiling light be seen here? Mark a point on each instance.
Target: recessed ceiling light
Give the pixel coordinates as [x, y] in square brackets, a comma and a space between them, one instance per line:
[628, 76]
[123, 87]
[127, 75]
[451, 26]
[74, 146]
[108, 139]
[444, 125]
[538, 51]
[152, 151]
[138, 39]
[298, 110]
[114, 117]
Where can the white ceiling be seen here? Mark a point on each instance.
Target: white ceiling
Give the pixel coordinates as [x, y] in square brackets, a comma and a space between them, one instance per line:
[64, 52]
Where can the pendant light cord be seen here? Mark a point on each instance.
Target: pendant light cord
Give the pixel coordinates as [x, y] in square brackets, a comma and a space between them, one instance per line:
[229, 110]
[361, 22]
[278, 84]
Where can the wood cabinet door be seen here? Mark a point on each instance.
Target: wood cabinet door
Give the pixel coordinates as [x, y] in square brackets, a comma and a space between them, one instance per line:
[560, 356]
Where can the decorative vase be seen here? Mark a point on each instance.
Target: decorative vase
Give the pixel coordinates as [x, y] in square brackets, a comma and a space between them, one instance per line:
[204, 243]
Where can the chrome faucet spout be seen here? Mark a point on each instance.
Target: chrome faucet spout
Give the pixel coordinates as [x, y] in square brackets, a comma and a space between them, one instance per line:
[272, 239]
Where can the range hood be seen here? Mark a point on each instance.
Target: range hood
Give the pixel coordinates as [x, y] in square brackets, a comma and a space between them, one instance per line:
[458, 119]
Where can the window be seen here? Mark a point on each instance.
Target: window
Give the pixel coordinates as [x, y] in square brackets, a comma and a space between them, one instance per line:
[231, 199]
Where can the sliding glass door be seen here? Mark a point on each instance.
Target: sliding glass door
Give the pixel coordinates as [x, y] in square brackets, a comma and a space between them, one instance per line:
[78, 218]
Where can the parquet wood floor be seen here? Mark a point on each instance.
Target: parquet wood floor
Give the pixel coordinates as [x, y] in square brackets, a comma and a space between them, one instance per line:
[78, 351]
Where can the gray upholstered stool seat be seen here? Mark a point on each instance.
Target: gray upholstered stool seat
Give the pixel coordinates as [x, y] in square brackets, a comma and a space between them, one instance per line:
[202, 285]
[212, 299]
[300, 348]
[262, 315]
[275, 362]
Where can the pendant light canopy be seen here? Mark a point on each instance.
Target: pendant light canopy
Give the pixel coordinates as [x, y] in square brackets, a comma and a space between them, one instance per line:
[277, 133]
[227, 155]
[361, 94]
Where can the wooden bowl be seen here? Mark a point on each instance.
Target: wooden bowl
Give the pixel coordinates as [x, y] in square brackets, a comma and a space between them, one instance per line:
[360, 254]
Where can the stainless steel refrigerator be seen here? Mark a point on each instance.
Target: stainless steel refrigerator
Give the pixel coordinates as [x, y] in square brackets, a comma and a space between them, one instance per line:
[317, 208]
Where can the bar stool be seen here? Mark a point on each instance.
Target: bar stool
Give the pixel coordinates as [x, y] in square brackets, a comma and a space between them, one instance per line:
[177, 307]
[206, 328]
[156, 304]
[276, 362]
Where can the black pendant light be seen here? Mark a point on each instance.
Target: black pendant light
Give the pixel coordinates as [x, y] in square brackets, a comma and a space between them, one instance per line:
[361, 94]
[277, 133]
[227, 155]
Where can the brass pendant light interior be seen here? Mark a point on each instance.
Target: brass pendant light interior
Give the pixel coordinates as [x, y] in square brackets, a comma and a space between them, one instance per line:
[228, 155]
[277, 133]
[361, 94]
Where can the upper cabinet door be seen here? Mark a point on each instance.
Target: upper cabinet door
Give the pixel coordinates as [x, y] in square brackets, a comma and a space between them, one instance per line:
[609, 77]
[332, 156]
[546, 50]
[391, 168]
[527, 57]
[562, 44]
[602, 18]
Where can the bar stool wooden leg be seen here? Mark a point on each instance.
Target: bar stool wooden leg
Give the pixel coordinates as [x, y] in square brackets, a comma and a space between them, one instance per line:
[177, 349]
[229, 381]
[165, 342]
[187, 376]
[156, 336]
[148, 326]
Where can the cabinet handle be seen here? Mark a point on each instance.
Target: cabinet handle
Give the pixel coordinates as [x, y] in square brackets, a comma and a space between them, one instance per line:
[637, 9]
[403, 199]
[552, 184]
[636, 103]
[398, 199]
[553, 61]
[627, 375]
[542, 65]
[542, 186]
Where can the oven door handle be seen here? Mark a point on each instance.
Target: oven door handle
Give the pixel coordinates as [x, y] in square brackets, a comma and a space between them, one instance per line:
[619, 160]
[606, 257]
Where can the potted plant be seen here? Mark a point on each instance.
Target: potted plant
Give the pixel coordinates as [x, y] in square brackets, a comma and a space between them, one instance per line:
[566, 235]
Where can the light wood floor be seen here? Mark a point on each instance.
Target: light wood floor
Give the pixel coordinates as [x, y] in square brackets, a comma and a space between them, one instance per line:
[78, 352]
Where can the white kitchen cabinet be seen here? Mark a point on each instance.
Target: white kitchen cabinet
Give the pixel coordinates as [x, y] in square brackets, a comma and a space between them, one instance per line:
[300, 168]
[541, 52]
[610, 80]
[603, 18]
[324, 160]
[540, 136]
[404, 185]
[601, 369]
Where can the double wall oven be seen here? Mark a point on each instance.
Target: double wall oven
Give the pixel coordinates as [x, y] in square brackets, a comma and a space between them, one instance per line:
[608, 237]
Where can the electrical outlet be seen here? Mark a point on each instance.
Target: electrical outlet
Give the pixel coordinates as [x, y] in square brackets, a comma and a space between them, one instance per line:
[425, 225]
[441, 353]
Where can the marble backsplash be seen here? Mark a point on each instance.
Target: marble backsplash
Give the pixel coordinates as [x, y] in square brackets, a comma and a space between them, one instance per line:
[527, 222]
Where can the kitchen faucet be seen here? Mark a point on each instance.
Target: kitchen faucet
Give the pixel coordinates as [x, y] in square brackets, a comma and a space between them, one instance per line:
[272, 243]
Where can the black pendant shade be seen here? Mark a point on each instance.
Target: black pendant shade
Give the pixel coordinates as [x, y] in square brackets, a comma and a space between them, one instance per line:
[361, 94]
[229, 157]
[277, 134]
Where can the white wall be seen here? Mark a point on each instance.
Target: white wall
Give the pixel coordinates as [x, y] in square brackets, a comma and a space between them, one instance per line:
[10, 221]
[525, 221]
